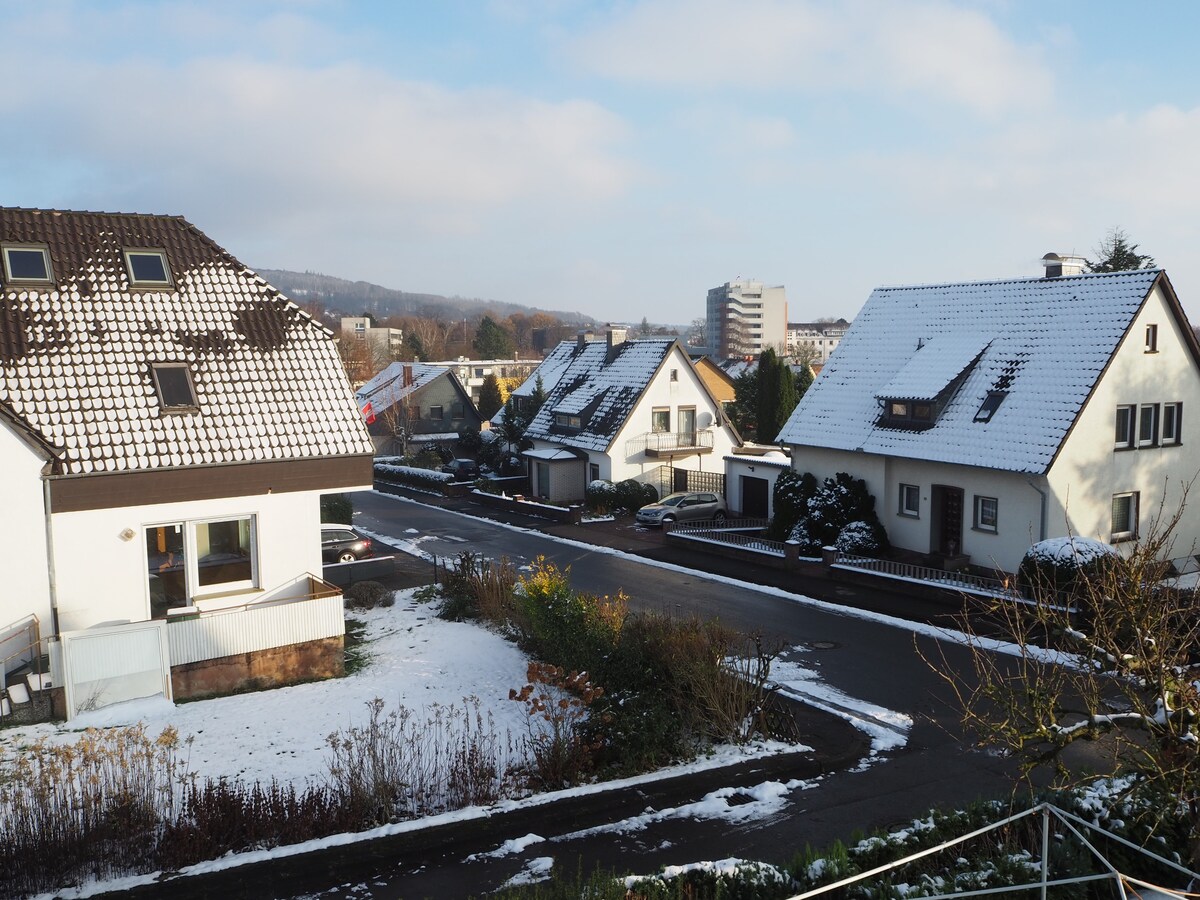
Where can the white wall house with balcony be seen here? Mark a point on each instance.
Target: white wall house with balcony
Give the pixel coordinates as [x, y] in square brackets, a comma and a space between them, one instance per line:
[619, 409]
[165, 445]
[985, 417]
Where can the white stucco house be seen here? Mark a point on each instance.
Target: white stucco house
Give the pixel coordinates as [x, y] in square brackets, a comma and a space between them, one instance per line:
[985, 417]
[168, 422]
[618, 409]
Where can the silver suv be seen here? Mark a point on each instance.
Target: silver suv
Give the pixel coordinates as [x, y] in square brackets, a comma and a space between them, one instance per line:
[683, 507]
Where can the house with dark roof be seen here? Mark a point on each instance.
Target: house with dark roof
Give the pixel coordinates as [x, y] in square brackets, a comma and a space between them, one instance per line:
[618, 409]
[985, 417]
[415, 404]
[168, 422]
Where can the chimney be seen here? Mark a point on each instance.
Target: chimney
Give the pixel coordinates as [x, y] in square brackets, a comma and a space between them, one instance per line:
[582, 337]
[616, 335]
[1057, 266]
[408, 377]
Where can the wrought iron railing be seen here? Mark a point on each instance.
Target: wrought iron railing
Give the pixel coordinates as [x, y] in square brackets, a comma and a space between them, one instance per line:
[669, 441]
[743, 533]
[957, 580]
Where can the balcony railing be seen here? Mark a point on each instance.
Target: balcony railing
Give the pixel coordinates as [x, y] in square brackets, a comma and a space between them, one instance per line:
[670, 443]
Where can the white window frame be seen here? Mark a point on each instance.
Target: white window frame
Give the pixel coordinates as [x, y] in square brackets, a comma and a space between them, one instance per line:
[1152, 338]
[981, 514]
[1174, 437]
[909, 492]
[1130, 431]
[1130, 531]
[136, 282]
[1147, 435]
[28, 248]
[191, 559]
[654, 414]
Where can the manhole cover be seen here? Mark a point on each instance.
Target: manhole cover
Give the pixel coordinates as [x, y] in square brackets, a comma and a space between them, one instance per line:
[823, 645]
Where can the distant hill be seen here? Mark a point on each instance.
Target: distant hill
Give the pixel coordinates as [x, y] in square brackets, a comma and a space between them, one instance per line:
[342, 297]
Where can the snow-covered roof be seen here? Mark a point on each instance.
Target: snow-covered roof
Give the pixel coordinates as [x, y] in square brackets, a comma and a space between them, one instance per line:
[550, 370]
[396, 382]
[79, 352]
[550, 454]
[1044, 341]
[936, 364]
[600, 389]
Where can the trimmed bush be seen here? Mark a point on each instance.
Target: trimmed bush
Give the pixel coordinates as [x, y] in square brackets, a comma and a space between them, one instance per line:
[421, 478]
[600, 496]
[631, 495]
[336, 509]
[368, 595]
[816, 517]
[1064, 565]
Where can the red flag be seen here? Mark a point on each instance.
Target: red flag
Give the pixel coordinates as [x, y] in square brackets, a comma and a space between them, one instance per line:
[368, 413]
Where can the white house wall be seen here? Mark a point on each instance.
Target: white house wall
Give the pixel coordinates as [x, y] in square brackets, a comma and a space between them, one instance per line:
[1089, 470]
[754, 467]
[688, 391]
[1019, 507]
[101, 577]
[22, 533]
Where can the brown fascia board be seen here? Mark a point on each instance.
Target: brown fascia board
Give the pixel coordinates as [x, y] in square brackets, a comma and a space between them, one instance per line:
[111, 490]
[29, 435]
[1189, 338]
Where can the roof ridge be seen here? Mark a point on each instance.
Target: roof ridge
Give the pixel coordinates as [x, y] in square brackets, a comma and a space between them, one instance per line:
[90, 212]
[1037, 279]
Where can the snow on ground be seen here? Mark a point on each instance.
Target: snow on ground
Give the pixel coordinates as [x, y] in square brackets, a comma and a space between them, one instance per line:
[417, 660]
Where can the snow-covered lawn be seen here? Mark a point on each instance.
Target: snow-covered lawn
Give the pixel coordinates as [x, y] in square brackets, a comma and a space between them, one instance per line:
[417, 660]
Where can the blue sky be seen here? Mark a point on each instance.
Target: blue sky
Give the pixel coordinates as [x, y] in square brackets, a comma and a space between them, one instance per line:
[621, 158]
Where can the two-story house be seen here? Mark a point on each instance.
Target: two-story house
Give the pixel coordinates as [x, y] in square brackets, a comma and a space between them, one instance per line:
[985, 417]
[168, 422]
[618, 409]
[411, 404]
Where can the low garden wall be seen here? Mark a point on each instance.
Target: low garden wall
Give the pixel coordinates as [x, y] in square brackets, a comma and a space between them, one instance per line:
[568, 514]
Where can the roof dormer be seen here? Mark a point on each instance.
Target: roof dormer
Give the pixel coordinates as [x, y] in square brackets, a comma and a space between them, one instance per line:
[917, 394]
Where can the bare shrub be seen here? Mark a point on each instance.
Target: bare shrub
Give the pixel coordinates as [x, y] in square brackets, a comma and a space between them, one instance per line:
[479, 588]
[556, 707]
[399, 765]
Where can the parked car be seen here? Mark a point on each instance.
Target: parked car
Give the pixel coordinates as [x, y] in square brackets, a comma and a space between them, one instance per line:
[341, 543]
[462, 469]
[683, 507]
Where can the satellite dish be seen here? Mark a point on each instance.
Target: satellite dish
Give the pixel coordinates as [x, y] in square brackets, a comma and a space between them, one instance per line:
[705, 419]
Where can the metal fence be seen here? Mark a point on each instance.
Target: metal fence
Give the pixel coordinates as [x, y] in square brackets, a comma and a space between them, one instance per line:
[956, 580]
[744, 533]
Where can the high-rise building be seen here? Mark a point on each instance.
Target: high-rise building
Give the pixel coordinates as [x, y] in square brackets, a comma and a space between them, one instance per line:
[743, 318]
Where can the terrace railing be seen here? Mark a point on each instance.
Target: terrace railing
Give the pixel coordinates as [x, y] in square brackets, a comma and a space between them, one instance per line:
[956, 580]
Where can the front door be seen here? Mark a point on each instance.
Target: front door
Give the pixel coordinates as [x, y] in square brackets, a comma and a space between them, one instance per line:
[946, 531]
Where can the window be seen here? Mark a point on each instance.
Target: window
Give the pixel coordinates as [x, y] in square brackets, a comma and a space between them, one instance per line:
[173, 382]
[660, 420]
[922, 412]
[1124, 516]
[186, 560]
[1148, 425]
[990, 404]
[674, 374]
[566, 420]
[593, 472]
[986, 509]
[910, 501]
[1172, 422]
[899, 410]
[1126, 419]
[148, 268]
[435, 412]
[24, 262]
[1151, 338]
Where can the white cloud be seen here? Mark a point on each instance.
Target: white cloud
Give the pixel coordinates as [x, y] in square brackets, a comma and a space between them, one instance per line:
[929, 48]
[337, 141]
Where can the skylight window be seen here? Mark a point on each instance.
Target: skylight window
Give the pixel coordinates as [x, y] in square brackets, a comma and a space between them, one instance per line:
[173, 382]
[26, 263]
[148, 268]
[990, 404]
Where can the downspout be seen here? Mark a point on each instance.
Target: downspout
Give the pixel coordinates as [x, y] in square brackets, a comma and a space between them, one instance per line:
[1045, 503]
[50, 573]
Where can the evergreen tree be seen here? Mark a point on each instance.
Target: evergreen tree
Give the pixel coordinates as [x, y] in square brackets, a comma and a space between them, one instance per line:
[804, 381]
[492, 341]
[490, 399]
[768, 394]
[1117, 254]
[743, 411]
[537, 398]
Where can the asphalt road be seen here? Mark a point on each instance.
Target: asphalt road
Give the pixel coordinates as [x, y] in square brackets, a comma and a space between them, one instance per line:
[861, 657]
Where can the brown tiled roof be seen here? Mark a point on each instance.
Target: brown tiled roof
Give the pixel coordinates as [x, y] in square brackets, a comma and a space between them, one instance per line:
[76, 355]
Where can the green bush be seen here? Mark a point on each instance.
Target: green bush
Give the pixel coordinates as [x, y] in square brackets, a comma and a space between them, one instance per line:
[816, 517]
[631, 495]
[600, 496]
[564, 627]
[336, 509]
[1063, 566]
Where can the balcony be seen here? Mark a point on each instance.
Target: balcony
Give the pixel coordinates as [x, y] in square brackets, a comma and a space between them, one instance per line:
[670, 443]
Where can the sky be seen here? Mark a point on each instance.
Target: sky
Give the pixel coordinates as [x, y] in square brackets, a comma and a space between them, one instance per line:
[620, 158]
